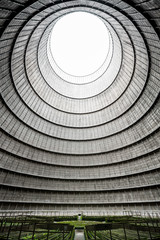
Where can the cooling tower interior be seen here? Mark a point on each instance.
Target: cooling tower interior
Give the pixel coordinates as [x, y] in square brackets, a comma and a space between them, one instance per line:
[80, 144]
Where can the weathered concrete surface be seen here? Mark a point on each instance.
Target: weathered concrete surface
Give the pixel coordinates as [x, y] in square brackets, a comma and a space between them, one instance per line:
[79, 234]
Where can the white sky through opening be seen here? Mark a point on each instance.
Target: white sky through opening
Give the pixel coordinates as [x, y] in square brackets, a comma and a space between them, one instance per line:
[79, 43]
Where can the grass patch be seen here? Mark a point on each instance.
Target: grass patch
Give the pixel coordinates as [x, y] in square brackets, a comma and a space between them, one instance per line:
[80, 224]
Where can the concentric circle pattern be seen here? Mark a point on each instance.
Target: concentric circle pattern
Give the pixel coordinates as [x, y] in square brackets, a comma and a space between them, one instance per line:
[90, 145]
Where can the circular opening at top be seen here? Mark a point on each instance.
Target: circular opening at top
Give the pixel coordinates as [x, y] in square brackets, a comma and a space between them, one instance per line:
[79, 43]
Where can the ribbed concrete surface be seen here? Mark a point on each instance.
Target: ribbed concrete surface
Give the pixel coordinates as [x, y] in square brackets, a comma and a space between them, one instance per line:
[67, 149]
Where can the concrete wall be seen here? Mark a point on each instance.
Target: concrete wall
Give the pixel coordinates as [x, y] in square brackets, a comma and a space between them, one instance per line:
[66, 149]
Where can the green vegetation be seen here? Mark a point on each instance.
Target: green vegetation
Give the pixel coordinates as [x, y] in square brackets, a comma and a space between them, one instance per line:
[125, 227]
[59, 228]
[80, 224]
[38, 235]
[65, 218]
[118, 234]
[34, 228]
[94, 218]
[128, 219]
